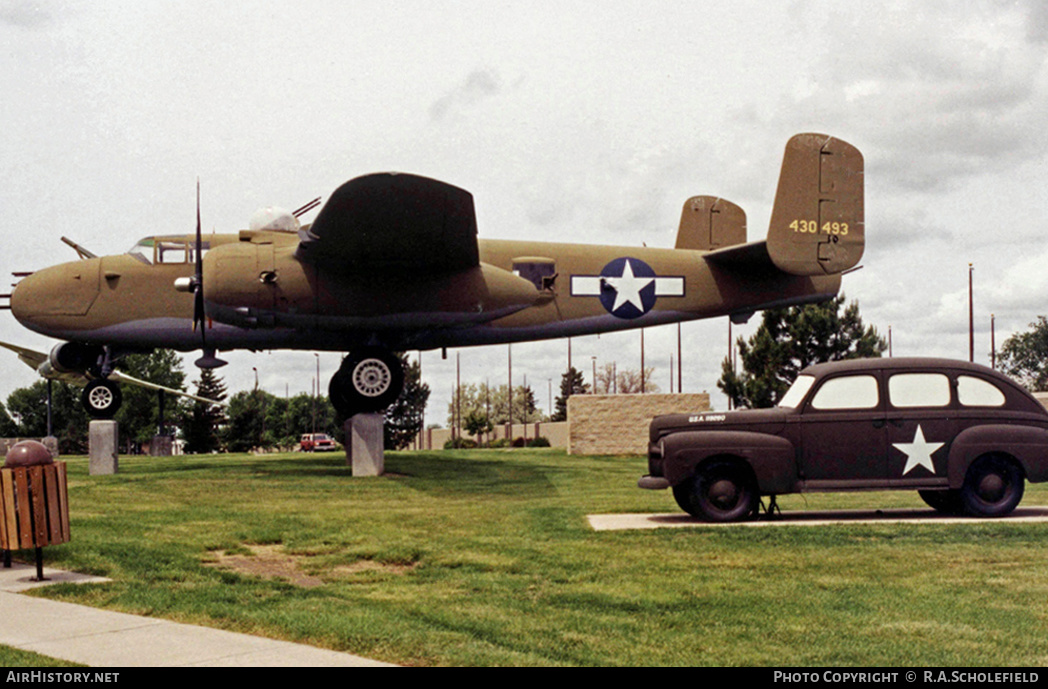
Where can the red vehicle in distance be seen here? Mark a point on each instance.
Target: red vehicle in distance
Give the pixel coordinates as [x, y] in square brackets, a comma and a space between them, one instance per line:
[317, 442]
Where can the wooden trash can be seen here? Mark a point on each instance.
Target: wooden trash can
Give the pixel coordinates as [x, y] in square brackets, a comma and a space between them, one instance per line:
[34, 509]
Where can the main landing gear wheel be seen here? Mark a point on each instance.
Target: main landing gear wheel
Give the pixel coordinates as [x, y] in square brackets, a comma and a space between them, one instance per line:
[101, 398]
[721, 492]
[369, 380]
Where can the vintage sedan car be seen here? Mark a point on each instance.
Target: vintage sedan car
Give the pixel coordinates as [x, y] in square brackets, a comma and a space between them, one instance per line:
[964, 436]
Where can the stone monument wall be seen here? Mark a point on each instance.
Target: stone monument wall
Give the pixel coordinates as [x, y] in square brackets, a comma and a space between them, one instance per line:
[618, 424]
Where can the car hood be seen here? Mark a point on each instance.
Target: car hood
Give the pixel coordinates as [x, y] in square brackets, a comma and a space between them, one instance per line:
[760, 420]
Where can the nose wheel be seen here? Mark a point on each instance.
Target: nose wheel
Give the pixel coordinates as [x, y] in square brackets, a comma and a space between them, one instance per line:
[369, 380]
[101, 398]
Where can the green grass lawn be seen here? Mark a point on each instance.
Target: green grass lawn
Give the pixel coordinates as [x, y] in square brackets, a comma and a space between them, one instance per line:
[484, 557]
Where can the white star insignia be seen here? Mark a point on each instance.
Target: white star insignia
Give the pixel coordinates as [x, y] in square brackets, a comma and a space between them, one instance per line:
[627, 288]
[919, 452]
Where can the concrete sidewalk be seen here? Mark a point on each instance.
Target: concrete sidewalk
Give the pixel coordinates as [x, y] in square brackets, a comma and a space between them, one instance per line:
[101, 638]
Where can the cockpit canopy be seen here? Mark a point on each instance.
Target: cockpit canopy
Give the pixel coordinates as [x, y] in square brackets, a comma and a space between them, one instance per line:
[167, 250]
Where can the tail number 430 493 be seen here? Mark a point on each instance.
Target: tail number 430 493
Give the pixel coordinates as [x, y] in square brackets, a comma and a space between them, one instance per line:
[812, 227]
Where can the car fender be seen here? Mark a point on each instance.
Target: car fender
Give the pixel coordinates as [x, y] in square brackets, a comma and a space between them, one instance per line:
[1027, 444]
[772, 458]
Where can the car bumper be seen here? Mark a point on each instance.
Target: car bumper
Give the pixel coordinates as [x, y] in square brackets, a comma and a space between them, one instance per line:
[653, 483]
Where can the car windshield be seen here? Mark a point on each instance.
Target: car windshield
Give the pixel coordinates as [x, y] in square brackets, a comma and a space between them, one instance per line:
[797, 391]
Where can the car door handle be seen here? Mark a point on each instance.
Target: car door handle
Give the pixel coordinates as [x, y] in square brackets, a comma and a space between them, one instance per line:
[879, 423]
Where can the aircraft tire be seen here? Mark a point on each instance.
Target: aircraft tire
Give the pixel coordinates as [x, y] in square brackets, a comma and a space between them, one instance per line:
[101, 399]
[369, 380]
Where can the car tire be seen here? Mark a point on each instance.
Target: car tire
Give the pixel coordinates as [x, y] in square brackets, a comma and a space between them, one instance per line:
[101, 399]
[720, 492]
[992, 487]
[943, 501]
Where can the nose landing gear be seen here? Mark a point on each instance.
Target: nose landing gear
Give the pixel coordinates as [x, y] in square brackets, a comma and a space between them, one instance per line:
[101, 398]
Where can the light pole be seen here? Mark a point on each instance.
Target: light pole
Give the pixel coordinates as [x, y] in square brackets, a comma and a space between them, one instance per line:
[971, 317]
[993, 342]
[642, 361]
[680, 363]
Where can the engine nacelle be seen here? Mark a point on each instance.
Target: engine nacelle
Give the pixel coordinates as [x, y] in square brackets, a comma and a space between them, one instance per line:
[73, 357]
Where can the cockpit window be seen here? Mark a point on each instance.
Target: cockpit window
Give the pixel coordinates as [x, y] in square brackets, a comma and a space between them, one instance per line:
[143, 251]
[153, 250]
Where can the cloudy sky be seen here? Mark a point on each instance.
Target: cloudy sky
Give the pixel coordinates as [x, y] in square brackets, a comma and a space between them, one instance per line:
[588, 122]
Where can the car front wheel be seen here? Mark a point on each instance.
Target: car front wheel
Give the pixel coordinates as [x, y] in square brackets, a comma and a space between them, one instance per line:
[721, 492]
[992, 487]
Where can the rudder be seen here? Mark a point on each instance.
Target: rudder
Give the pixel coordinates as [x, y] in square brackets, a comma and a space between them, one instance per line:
[817, 225]
[708, 223]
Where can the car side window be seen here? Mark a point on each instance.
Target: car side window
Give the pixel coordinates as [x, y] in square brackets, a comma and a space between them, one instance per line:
[847, 392]
[919, 390]
[976, 392]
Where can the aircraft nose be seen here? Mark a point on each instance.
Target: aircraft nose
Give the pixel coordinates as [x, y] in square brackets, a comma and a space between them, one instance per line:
[68, 289]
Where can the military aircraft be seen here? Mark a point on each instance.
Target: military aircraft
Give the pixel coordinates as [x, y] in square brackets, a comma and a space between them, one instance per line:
[392, 262]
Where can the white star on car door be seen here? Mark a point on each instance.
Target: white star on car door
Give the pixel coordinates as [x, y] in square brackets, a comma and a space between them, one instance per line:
[918, 453]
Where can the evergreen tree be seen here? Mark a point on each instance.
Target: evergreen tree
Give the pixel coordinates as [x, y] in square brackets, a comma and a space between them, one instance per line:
[201, 423]
[246, 427]
[571, 383]
[404, 418]
[791, 339]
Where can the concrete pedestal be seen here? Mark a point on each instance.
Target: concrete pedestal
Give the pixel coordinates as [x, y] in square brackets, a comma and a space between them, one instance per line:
[102, 443]
[365, 447]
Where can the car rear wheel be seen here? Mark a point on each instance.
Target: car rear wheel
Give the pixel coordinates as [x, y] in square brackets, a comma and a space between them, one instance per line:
[944, 501]
[721, 492]
[992, 487]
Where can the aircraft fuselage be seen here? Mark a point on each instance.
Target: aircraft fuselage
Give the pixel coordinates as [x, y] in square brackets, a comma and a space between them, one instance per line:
[260, 296]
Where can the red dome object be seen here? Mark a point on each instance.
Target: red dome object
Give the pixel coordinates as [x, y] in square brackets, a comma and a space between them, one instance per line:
[28, 453]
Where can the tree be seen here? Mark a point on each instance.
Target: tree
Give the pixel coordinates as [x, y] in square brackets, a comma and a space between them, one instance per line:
[571, 383]
[139, 414]
[246, 426]
[404, 417]
[790, 339]
[1024, 356]
[201, 422]
[611, 380]
[8, 427]
[68, 418]
[491, 401]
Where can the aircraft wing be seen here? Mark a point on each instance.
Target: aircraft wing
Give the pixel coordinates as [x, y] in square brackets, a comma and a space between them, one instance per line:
[35, 359]
[393, 224]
